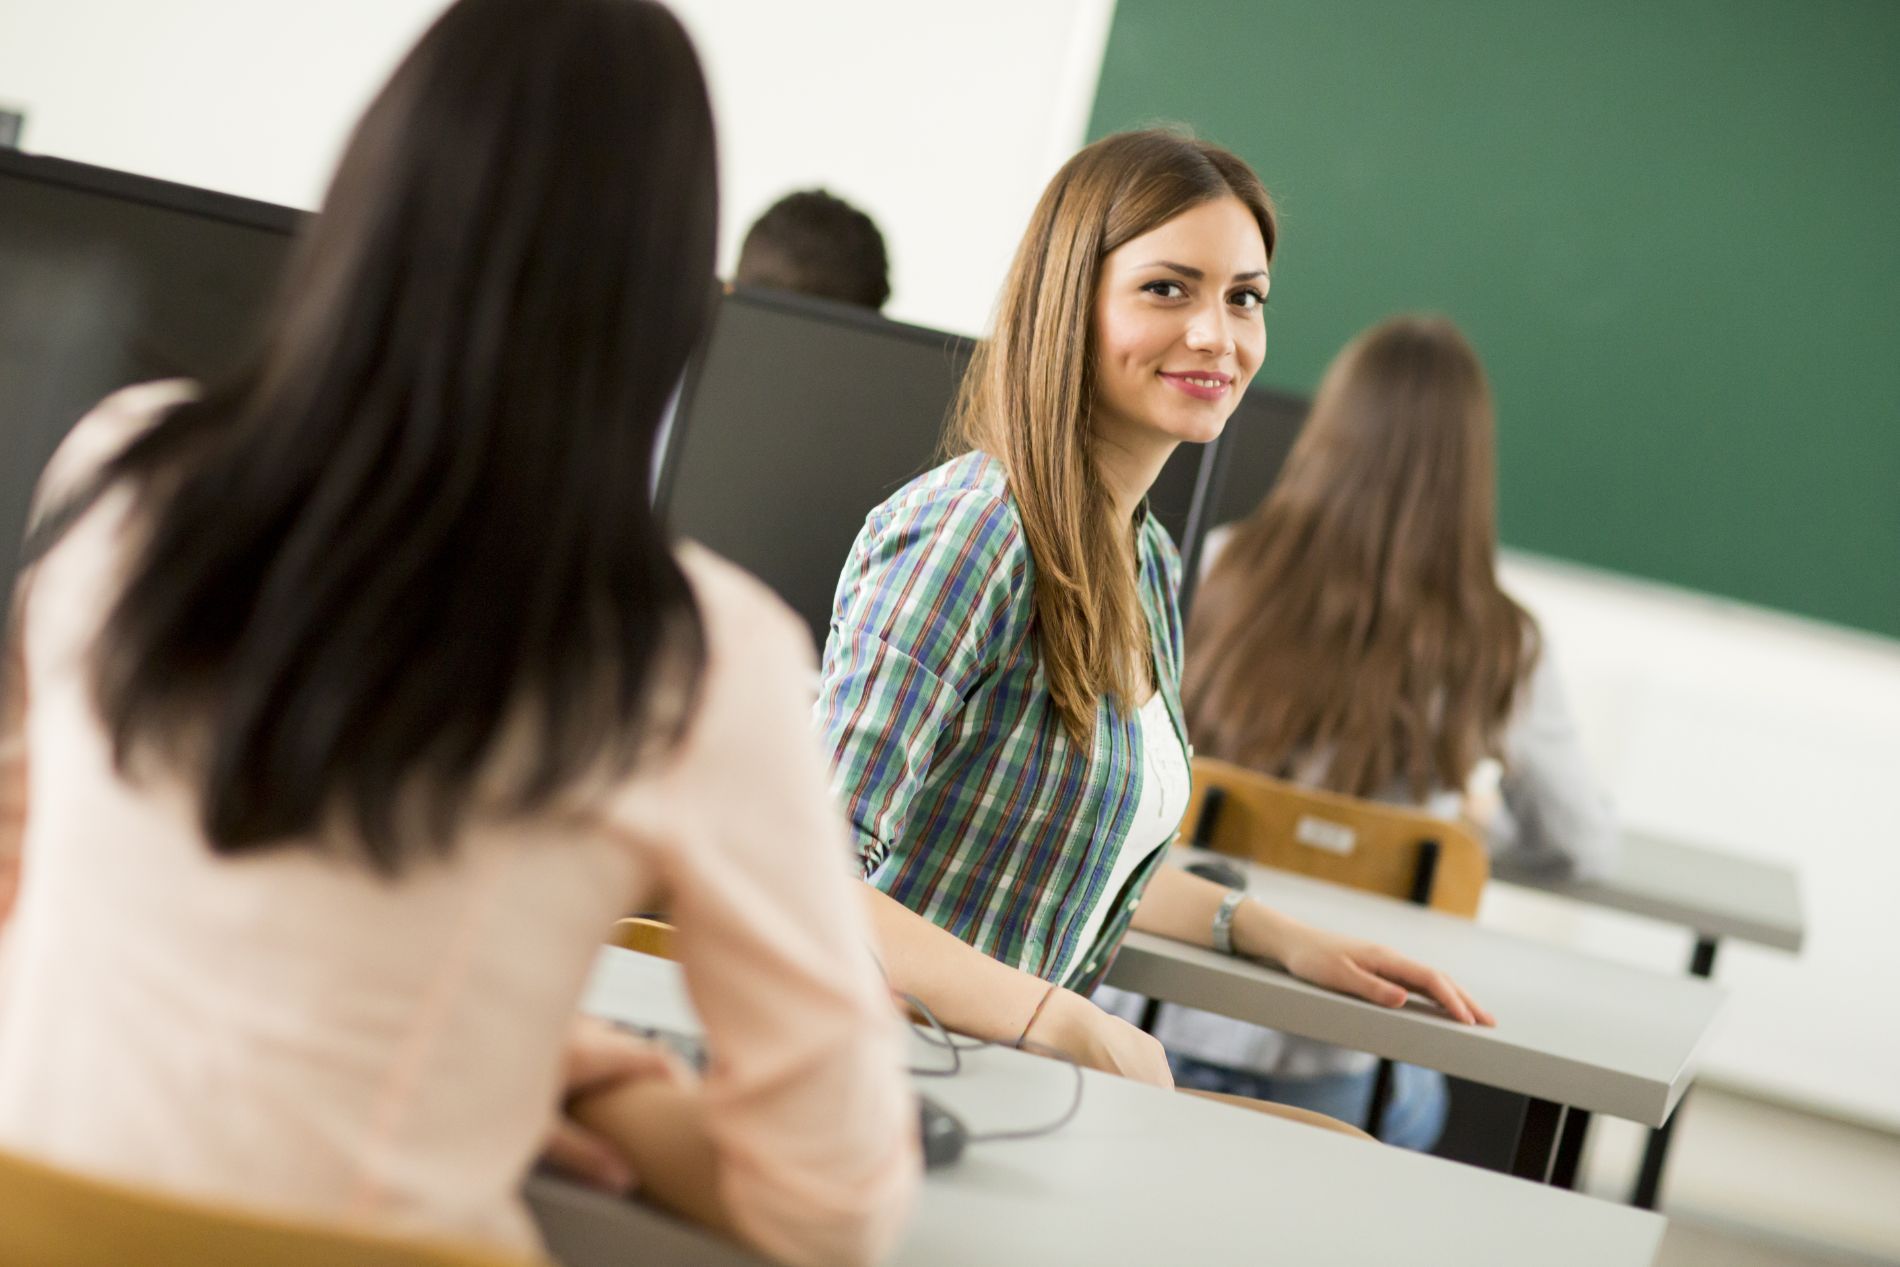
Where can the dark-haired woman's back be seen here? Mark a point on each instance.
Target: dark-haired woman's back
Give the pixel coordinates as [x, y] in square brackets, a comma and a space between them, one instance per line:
[365, 689]
[290, 1030]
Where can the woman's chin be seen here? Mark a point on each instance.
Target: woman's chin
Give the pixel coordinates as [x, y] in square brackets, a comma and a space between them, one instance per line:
[1202, 430]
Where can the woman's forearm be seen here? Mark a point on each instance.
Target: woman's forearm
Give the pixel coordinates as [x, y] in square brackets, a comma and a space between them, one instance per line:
[967, 990]
[660, 1128]
[1182, 906]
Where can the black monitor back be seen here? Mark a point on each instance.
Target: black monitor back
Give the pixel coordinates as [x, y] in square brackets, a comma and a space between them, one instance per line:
[798, 417]
[108, 279]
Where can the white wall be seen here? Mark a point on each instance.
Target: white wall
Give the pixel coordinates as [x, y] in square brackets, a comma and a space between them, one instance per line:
[1742, 729]
[251, 97]
[942, 121]
[1726, 725]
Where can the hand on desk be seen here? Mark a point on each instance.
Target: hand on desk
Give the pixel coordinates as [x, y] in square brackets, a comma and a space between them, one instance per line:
[1075, 1028]
[1183, 906]
[1365, 969]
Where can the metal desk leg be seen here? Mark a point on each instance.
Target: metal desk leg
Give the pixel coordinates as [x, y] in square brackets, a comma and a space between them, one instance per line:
[1570, 1148]
[1537, 1140]
[1649, 1182]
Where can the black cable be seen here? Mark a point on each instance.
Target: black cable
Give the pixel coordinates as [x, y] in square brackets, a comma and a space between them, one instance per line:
[937, 1036]
[1033, 1132]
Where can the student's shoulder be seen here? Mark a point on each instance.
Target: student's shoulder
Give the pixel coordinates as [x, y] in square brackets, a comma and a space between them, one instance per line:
[968, 494]
[105, 431]
[737, 608]
[953, 534]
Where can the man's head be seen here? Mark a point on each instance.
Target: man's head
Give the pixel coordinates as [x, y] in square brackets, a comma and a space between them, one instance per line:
[815, 244]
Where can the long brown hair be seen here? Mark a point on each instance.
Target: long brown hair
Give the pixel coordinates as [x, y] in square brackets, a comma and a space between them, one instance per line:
[1355, 616]
[1026, 397]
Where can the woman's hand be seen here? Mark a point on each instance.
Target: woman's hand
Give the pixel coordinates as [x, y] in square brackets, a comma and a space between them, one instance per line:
[600, 1058]
[1370, 971]
[1074, 1027]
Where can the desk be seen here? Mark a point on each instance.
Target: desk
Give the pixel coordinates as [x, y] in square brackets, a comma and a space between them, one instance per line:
[1712, 894]
[1573, 1031]
[1141, 1177]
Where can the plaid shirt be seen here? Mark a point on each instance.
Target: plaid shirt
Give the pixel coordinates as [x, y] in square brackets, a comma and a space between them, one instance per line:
[969, 802]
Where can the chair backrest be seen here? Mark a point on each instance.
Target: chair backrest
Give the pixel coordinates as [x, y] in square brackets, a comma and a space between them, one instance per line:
[52, 1218]
[1306, 1117]
[648, 936]
[1361, 844]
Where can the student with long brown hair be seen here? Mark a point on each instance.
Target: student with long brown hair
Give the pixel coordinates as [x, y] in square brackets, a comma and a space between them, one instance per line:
[1001, 683]
[1351, 635]
[360, 693]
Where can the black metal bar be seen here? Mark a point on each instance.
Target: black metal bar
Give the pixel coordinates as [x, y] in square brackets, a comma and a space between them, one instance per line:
[1208, 477]
[1656, 1151]
[1150, 1013]
[1537, 1139]
[1203, 834]
[1424, 873]
[1702, 959]
[1570, 1149]
[1381, 1098]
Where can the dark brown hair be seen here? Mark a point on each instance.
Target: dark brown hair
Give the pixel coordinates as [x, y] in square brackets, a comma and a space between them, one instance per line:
[1355, 617]
[420, 520]
[1026, 397]
[815, 244]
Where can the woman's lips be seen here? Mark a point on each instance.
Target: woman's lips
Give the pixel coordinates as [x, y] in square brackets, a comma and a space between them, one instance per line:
[1202, 385]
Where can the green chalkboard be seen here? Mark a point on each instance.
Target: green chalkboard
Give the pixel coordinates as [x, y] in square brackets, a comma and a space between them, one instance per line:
[1671, 227]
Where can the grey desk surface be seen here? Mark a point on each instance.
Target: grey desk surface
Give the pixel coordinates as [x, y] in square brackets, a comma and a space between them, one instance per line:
[1712, 893]
[1140, 1177]
[1572, 1028]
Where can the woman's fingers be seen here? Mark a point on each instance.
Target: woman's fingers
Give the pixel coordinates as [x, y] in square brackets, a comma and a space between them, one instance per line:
[583, 1155]
[1372, 986]
[1430, 982]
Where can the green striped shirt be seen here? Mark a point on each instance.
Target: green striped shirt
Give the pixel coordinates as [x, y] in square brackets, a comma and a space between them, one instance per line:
[969, 802]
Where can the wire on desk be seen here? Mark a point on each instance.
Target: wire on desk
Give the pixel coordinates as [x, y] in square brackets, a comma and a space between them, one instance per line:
[937, 1036]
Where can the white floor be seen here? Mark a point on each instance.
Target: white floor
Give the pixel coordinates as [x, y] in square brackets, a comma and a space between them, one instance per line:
[1751, 1184]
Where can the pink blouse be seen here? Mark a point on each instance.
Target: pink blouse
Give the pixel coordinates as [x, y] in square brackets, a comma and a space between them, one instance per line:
[286, 1030]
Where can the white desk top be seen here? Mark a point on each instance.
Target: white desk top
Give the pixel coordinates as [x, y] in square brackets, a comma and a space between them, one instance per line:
[1712, 893]
[1144, 1177]
[1572, 1028]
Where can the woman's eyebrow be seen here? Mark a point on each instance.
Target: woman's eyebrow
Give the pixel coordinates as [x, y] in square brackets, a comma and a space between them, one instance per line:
[1195, 274]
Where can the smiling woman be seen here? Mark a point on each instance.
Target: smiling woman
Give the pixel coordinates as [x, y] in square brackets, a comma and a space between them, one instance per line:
[1001, 689]
[1180, 328]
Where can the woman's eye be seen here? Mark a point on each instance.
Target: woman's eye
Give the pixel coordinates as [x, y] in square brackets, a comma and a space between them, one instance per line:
[1167, 290]
[1249, 299]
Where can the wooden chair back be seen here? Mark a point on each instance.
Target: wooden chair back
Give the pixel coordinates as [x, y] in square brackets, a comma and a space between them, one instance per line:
[1390, 849]
[52, 1218]
[1306, 1117]
[648, 936]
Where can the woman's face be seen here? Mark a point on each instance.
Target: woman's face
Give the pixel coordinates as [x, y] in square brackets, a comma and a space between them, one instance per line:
[1179, 326]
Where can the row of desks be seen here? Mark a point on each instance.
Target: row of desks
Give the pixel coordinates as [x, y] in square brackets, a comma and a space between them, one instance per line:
[1140, 1176]
[1145, 1176]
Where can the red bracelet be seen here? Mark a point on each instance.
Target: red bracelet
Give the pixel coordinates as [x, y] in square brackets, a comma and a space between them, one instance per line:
[1031, 1022]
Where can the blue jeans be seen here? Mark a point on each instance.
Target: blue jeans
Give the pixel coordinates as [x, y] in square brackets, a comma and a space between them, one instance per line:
[1414, 1116]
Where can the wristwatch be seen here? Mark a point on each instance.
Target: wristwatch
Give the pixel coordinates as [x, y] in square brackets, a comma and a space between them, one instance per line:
[1224, 920]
